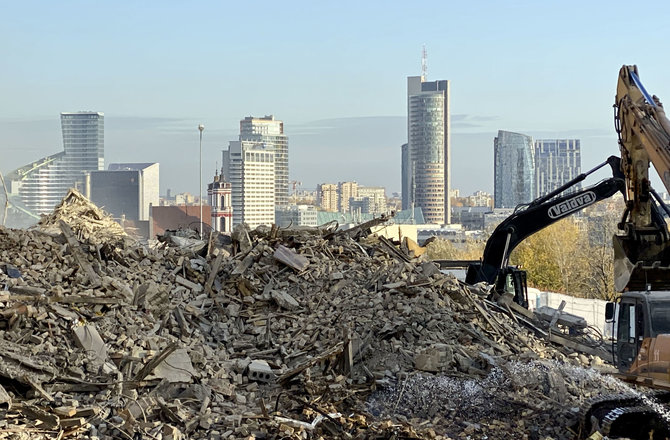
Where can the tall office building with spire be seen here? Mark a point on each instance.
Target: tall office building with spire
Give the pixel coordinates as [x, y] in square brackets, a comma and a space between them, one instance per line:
[426, 158]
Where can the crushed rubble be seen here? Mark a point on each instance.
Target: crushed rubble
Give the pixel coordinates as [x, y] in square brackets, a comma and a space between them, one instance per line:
[312, 333]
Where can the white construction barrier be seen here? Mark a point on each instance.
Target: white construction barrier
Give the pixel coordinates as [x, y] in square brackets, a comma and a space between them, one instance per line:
[593, 310]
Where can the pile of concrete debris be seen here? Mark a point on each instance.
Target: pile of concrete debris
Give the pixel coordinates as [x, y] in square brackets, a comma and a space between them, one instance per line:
[309, 333]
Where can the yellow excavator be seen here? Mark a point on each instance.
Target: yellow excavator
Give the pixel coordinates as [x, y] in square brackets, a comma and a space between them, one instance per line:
[641, 314]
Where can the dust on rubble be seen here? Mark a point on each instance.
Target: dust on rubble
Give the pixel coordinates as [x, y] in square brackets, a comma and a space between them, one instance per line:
[268, 333]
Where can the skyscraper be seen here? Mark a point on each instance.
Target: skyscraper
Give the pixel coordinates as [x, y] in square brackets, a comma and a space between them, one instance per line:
[405, 177]
[42, 184]
[427, 157]
[84, 140]
[557, 161]
[514, 169]
[270, 132]
[250, 168]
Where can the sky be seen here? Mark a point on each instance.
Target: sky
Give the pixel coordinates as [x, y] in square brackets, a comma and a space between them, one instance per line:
[334, 72]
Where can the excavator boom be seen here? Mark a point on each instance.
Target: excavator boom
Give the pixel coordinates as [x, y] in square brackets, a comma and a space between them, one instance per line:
[642, 251]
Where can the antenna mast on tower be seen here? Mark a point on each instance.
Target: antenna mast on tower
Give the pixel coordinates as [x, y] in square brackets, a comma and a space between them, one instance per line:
[424, 63]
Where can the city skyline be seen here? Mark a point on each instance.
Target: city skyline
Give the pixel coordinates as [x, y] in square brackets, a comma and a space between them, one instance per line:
[158, 71]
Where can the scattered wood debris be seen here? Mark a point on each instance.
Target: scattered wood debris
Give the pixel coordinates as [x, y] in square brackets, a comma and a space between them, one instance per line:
[312, 334]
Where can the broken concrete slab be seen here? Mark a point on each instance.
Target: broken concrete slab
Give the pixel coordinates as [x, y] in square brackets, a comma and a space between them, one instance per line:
[284, 300]
[290, 258]
[177, 367]
[88, 338]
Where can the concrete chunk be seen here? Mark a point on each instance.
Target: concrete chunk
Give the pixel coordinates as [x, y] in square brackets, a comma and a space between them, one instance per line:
[284, 300]
[88, 338]
[260, 371]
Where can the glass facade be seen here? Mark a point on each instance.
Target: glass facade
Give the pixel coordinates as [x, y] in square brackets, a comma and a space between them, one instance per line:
[270, 132]
[251, 172]
[514, 169]
[426, 159]
[43, 185]
[557, 161]
[405, 176]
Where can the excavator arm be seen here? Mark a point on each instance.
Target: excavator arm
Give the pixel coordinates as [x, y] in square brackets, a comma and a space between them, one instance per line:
[642, 250]
[540, 213]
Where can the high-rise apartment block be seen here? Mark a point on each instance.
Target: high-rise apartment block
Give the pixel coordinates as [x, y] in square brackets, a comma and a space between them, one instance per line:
[427, 158]
[327, 197]
[557, 161]
[514, 169]
[250, 169]
[256, 166]
[42, 184]
[270, 132]
[376, 196]
[346, 190]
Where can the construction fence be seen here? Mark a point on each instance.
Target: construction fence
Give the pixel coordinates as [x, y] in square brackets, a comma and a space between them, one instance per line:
[593, 310]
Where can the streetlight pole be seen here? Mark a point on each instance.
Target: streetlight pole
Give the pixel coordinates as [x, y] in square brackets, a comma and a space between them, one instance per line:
[201, 128]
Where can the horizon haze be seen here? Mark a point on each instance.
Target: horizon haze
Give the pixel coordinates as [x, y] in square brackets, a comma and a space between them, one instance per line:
[334, 73]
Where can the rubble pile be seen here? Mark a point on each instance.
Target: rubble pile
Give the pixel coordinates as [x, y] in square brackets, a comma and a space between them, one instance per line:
[313, 333]
[91, 223]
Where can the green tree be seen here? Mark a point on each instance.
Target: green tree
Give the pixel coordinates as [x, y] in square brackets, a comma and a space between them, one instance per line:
[601, 229]
[440, 249]
[554, 257]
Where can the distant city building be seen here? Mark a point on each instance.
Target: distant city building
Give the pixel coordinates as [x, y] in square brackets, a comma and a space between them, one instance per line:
[493, 219]
[345, 191]
[376, 196]
[394, 203]
[296, 215]
[270, 132]
[557, 161]
[427, 157]
[405, 177]
[251, 170]
[178, 199]
[41, 185]
[185, 199]
[480, 198]
[359, 205]
[305, 197]
[220, 200]
[514, 169]
[453, 233]
[125, 190]
[473, 218]
[326, 197]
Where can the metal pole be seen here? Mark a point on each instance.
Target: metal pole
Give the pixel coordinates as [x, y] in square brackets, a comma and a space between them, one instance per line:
[201, 128]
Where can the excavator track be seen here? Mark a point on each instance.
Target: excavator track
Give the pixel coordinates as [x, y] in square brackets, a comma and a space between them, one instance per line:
[623, 416]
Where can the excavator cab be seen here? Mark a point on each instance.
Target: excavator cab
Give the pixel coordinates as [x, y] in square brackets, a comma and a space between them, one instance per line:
[641, 343]
[509, 280]
[512, 280]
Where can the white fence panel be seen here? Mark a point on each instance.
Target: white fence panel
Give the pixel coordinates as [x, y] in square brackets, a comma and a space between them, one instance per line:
[593, 310]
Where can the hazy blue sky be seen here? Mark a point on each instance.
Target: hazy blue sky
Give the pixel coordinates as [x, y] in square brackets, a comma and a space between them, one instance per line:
[334, 72]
